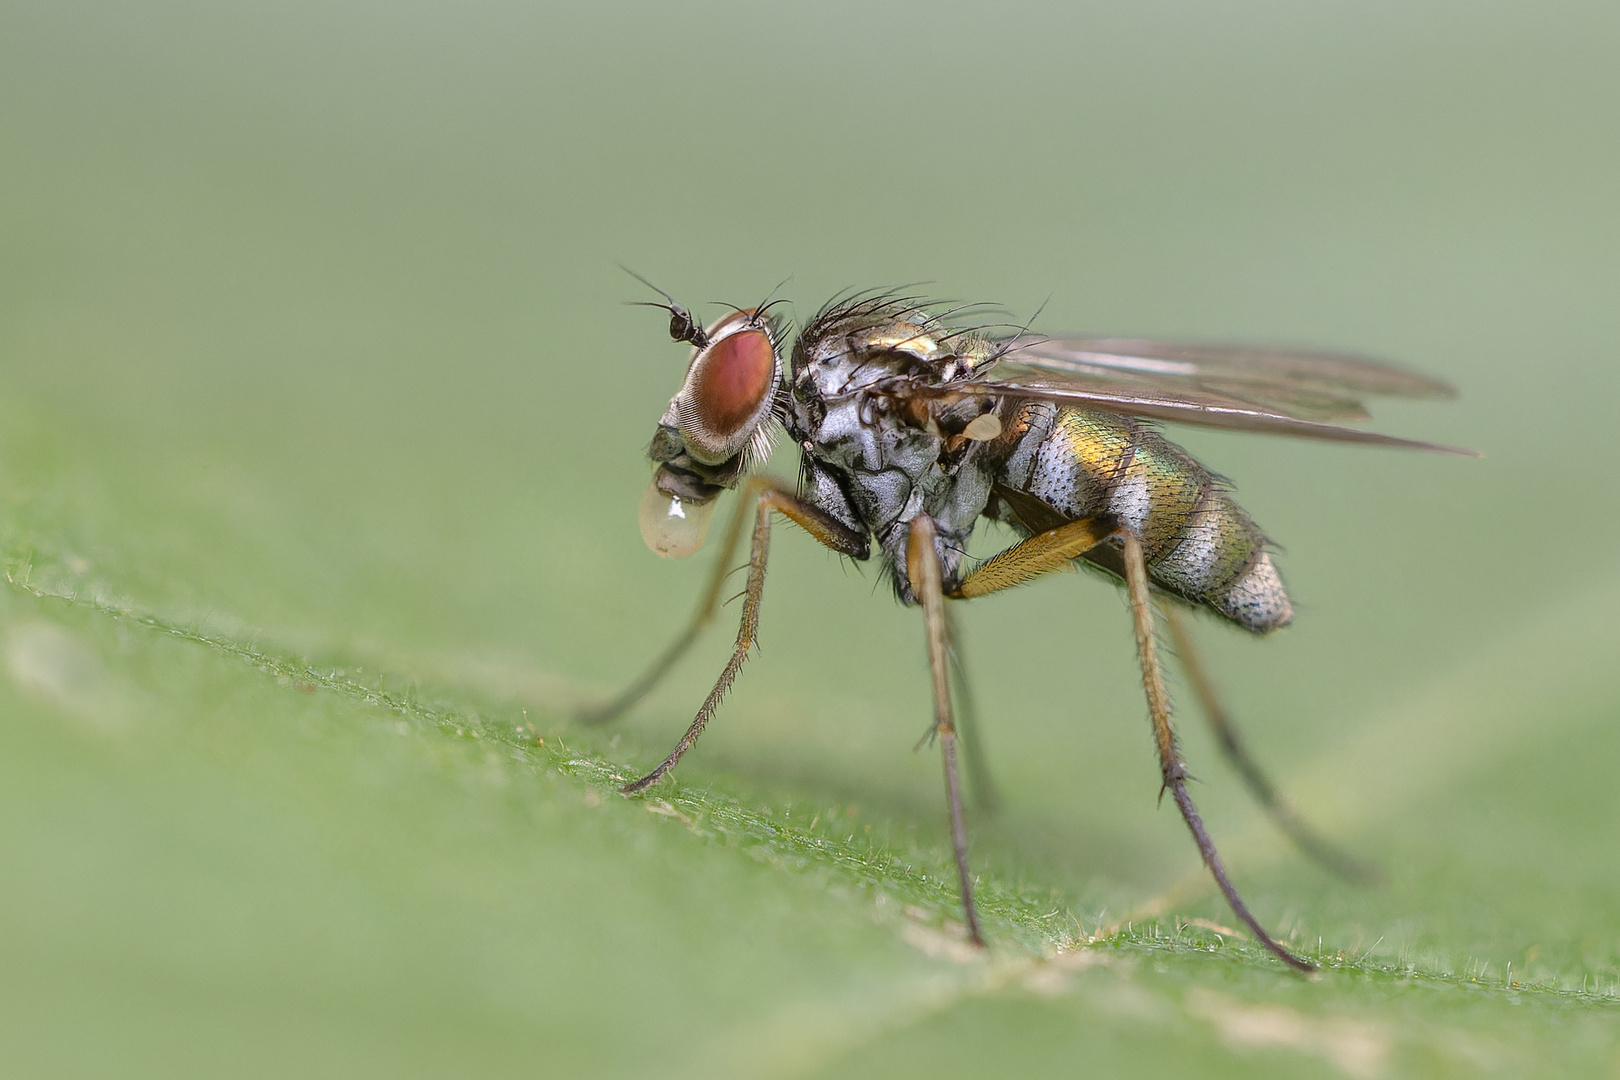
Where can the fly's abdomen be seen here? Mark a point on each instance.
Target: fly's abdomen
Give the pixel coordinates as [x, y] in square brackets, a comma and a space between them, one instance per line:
[1199, 543]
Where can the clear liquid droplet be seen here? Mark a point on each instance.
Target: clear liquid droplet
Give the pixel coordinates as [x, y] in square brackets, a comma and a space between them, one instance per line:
[673, 527]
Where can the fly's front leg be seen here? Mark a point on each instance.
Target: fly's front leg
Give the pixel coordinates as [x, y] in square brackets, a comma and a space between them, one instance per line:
[1265, 793]
[707, 606]
[923, 571]
[765, 500]
[1171, 767]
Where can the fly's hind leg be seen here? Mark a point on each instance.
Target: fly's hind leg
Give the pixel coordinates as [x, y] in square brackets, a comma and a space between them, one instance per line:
[763, 498]
[1260, 786]
[1054, 549]
[1171, 767]
[926, 579]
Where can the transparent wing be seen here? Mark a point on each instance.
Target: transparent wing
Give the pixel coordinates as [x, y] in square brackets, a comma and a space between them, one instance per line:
[1282, 392]
[1304, 384]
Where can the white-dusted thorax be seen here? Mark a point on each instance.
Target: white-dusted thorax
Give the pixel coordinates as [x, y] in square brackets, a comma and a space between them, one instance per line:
[860, 405]
[859, 341]
[724, 405]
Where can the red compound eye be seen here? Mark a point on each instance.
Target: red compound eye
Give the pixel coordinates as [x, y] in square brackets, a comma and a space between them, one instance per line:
[732, 381]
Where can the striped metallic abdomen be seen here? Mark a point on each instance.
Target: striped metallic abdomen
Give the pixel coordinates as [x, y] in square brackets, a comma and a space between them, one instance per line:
[1200, 544]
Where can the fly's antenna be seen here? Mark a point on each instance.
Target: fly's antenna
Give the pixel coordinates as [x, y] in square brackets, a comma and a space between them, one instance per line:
[651, 286]
[682, 327]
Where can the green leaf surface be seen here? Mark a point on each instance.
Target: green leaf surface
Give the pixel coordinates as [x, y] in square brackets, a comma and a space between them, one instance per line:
[321, 432]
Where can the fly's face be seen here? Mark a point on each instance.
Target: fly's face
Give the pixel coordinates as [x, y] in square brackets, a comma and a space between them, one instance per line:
[715, 428]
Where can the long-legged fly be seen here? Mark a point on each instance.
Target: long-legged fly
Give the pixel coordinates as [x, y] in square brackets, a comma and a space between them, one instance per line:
[912, 424]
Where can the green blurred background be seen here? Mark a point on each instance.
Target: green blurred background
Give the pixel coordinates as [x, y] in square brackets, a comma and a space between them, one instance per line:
[321, 435]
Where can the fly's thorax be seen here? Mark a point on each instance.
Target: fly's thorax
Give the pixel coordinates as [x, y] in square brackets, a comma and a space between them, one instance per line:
[717, 427]
[866, 404]
[1200, 545]
[889, 467]
[846, 363]
[876, 344]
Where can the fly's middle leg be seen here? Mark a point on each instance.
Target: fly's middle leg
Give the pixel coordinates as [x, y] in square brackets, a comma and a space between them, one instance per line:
[923, 571]
[985, 796]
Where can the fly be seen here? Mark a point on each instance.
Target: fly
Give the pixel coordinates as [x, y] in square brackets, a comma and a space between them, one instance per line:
[912, 426]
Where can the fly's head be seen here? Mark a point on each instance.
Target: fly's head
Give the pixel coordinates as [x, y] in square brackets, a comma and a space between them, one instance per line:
[716, 428]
